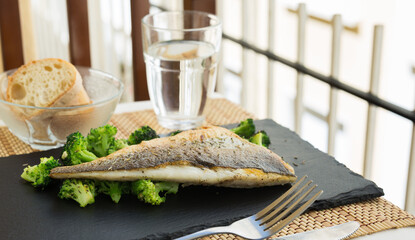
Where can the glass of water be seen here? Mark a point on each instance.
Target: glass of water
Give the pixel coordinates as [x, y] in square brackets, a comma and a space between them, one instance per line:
[181, 51]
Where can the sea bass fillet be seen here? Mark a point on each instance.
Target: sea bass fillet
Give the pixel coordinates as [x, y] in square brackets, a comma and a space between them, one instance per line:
[205, 156]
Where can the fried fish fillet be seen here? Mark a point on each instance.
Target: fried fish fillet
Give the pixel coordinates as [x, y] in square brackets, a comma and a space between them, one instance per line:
[205, 156]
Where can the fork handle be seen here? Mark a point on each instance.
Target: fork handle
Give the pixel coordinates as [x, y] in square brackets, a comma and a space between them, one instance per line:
[205, 232]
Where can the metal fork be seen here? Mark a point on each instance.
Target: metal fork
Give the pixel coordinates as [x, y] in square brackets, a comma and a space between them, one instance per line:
[271, 219]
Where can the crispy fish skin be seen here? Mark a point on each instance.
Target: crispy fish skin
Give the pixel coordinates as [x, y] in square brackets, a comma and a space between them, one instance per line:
[206, 156]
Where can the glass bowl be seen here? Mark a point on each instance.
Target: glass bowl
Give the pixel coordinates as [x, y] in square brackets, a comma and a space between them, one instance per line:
[50, 128]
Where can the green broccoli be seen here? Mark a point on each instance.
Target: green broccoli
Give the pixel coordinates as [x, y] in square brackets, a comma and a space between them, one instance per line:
[75, 150]
[38, 175]
[101, 139]
[142, 134]
[113, 188]
[175, 132]
[82, 191]
[118, 144]
[261, 138]
[149, 192]
[245, 128]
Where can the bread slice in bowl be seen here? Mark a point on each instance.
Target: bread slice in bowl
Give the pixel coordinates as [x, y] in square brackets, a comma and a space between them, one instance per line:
[48, 82]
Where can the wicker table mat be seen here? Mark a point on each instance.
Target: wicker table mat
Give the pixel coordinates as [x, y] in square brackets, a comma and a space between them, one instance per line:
[374, 215]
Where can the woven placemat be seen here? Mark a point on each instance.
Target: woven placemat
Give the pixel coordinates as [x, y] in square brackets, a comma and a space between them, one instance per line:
[374, 215]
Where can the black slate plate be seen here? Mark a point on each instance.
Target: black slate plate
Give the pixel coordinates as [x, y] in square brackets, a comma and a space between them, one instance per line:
[27, 213]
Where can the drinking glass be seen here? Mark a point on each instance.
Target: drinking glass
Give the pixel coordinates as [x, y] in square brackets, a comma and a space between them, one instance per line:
[181, 52]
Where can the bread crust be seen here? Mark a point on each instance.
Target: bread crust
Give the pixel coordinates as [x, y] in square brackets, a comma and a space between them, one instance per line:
[76, 95]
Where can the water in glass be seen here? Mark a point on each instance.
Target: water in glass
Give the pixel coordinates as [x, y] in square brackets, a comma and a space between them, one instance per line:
[180, 75]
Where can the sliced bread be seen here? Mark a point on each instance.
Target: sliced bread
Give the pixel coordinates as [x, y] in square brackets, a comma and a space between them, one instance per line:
[48, 82]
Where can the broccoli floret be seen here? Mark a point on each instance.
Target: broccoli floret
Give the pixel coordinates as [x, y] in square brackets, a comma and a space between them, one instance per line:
[113, 188]
[142, 134]
[175, 132]
[38, 175]
[75, 150]
[261, 138]
[82, 191]
[118, 144]
[149, 192]
[100, 139]
[245, 128]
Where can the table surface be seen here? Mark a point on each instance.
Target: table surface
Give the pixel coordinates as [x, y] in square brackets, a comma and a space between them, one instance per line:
[401, 233]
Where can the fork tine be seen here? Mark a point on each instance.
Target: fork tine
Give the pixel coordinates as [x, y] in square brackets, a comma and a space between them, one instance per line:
[285, 203]
[289, 208]
[261, 213]
[277, 227]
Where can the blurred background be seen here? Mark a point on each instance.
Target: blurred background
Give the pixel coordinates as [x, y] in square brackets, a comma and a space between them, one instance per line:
[334, 38]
